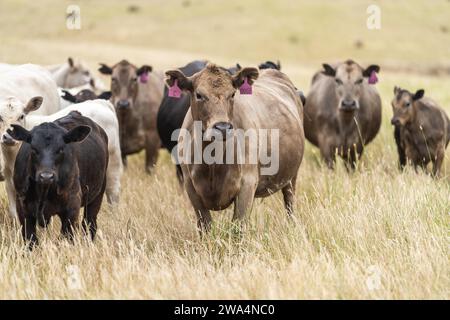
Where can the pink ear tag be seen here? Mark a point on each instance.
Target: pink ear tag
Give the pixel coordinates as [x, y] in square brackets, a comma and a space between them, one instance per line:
[143, 77]
[245, 88]
[373, 78]
[174, 90]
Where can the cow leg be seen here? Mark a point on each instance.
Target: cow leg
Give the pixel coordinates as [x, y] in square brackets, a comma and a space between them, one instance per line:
[288, 196]
[244, 200]
[438, 160]
[179, 174]
[400, 149]
[152, 144]
[91, 212]
[69, 220]
[114, 173]
[124, 160]
[204, 219]
[11, 192]
[28, 224]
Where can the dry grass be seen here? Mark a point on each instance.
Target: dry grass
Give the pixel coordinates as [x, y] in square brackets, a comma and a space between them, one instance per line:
[349, 230]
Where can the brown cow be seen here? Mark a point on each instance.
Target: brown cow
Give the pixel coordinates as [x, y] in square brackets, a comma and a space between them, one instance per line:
[136, 96]
[422, 127]
[342, 111]
[218, 110]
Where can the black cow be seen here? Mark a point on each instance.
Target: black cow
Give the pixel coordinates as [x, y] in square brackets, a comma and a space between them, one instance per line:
[84, 95]
[270, 65]
[60, 167]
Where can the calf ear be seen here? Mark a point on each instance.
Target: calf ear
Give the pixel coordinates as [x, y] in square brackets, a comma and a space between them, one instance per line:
[144, 69]
[70, 62]
[33, 104]
[104, 69]
[251, 74]
[396, 90]
[328, 70]
[370, 69]
[106, 95]
[184, 83]
[419, 94]
[19, 133]
[77, 134]
[68, 96]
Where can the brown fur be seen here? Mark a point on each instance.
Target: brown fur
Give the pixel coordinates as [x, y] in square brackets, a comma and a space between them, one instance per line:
[137, 123]
[424, 128]
[331, 127]
[274, 104]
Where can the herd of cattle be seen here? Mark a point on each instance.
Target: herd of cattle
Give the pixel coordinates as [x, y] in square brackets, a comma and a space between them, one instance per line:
[65, 138]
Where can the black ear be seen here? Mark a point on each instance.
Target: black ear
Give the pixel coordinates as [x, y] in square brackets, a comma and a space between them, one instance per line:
[19, 133]
[144, 69]
[419, 94]
[77, 134]
[370, 69]
[184, 83]
[104, 69]
[33, 104]
[251, 74]
[328, 70]
[105, 95]
[68, 96]
[278, 65]
[70, 62]
[238, 67]
[397, 90]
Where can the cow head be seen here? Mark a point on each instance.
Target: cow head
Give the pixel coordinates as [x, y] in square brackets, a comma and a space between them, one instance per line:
[85, 95]
[78, 74]
[50, 145]
[349, 78]
[270, 65]
[403, 105]
[13, 112]
[124, 83]
[212, 91]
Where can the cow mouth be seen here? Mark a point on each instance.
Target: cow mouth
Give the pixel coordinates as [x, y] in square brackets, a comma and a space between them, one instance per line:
[9, 142]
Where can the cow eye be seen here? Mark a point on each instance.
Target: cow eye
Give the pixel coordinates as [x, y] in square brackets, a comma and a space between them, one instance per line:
[232, 96]
[61, 151]
[21, 117]
[198, 96]
[86, 73]
[407, 104]
[338, 81]
[35, 151]
[359, 81]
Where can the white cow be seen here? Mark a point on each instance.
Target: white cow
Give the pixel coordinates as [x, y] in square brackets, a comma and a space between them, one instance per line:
[75, 73]
[19, 84]
[100, 111]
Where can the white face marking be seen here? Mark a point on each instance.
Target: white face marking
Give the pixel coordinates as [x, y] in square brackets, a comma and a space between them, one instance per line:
[11, 112]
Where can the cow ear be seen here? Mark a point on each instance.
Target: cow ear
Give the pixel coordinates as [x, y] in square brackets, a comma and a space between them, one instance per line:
[33, 104]
[104, 69]
[144, 69]
[396, 90]
[370, 69]
[105, 95]
[278, 65]
[77, 134]
[68, 96]
[70, 62]
[328, 70]
[238, 67]
[419, 94]
[183, 82]
[251, 74]
[19, 133]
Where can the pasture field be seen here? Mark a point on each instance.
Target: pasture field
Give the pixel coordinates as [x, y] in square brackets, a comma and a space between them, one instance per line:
[372, 234]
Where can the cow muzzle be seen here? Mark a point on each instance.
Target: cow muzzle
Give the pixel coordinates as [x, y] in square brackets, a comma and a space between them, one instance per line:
[395, 121]
[224, 128]
[123, 105]
[348, 105]
[7, 140]
[46, 177]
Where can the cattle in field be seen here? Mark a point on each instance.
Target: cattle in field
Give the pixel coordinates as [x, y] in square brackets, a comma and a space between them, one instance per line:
[60, 168]
[422, 129]
[75, 73]
[226, 105]
[343, 111]
[136, 93]
[100, 111]
[173, 110]
[18, 85]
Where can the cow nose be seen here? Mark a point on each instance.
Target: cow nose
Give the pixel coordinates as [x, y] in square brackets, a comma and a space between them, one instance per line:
[8, 140]
[395, 121]
[349, 104]
[46, 177]
[223, 127]
[123, 104]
